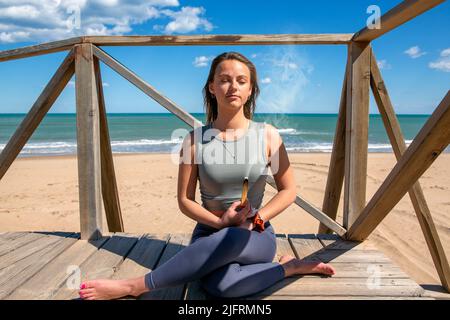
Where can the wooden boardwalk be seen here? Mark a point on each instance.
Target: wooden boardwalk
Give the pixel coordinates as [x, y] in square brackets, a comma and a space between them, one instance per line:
[48, 265]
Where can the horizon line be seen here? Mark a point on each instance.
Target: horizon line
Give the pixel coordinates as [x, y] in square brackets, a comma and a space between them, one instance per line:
[170, 113]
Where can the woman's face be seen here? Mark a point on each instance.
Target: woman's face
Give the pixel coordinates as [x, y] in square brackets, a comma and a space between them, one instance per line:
[232, 84]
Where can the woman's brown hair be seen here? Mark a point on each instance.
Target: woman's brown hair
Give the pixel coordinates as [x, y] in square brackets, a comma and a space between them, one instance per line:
[210, 102]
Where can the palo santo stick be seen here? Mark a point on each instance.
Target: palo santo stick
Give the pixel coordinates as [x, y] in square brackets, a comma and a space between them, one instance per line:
[244, 192]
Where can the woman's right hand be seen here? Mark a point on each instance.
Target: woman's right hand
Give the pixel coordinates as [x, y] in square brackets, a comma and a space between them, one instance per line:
[234, 215]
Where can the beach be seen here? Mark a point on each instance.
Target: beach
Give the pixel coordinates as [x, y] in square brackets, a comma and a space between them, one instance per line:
[41, 194]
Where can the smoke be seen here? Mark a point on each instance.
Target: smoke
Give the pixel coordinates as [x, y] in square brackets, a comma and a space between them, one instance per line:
[288, 73]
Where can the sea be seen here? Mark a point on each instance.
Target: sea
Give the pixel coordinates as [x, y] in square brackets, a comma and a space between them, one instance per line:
[164, 132]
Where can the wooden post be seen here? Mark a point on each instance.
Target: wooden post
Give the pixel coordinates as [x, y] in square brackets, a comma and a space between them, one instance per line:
[88, 144]
[109, 185]
[432, 139]
[37, 112]
[356, 129]
[416, 194]
[335, 178]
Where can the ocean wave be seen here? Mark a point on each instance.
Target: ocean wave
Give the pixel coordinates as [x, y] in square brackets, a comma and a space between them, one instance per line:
[70, 147]
[295, 132]
[168, 145]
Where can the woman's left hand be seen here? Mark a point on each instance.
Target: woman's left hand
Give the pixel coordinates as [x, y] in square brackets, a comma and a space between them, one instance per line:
[247, 224]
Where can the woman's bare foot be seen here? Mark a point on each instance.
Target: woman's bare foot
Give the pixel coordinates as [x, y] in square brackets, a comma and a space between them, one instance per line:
[293, 266]
[106, 289]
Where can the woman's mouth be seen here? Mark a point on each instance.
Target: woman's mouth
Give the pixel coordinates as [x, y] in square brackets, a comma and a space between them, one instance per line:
[232, 97]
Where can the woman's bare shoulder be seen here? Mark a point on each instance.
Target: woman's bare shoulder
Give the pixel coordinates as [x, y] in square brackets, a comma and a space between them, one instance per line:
[273, 139]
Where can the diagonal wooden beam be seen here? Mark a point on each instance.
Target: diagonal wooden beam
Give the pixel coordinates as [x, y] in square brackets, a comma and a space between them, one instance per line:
[415, 193]
[88, 144]
[39, 49]
[37, 112]
[146, 88]
[336, 168]
[356, 131]
[110, 193]
[312, 210]
[395, 17]
[431, 140]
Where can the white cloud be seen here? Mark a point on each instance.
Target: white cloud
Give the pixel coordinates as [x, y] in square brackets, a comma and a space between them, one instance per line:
[49, 20]
[201, 61]
[414, 52]
[383, 64]
[442, 63]
[445, 52]
[266, 80]
[186, 20]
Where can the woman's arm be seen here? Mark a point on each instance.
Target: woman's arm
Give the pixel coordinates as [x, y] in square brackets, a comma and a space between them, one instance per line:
[187, 182]
[282, 174]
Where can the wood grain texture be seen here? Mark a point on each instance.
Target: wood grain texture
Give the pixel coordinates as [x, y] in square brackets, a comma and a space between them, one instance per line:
[356, 131]
[416, 194]
[431, 140]
[88, 144]
[110, 193]
[395, 17]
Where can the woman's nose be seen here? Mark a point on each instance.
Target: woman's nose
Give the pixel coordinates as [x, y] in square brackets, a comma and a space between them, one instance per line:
[234, 84]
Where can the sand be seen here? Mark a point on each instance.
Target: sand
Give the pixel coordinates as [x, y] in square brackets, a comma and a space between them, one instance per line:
[42, 194]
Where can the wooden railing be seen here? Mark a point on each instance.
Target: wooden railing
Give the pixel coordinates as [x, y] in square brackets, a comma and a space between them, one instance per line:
[96, 173]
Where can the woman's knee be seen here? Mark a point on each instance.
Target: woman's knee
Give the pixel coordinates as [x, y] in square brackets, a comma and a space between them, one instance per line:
[221, 283]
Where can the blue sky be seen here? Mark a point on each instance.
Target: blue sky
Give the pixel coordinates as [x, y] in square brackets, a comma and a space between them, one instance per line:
[414, 58]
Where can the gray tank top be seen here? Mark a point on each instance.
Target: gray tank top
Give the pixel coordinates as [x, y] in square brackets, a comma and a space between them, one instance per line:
[223, 165]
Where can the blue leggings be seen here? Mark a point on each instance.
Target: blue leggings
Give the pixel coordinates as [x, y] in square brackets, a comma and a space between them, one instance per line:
[231, 262]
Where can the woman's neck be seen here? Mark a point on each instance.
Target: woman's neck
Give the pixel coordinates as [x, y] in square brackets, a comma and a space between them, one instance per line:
[226, 122]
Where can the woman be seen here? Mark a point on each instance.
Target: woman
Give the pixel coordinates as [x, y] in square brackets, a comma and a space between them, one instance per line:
[233, 244]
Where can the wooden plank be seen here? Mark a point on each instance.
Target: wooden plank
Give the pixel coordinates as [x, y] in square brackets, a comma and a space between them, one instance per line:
[176, 243]
[225, 39]
[305, 246]
[100, 265]
[432, 139]
[395, 17]
[283, 247]
[312, 210]
[18, 273]
[353, 256]
[110, 193]
[37, 112]
[88, 144]
[18, 242]
[336, 169]
[333, 242]
[59, 272]
[366, 270]
[143, 258]
[38, 49]
[349, 287]
[421, 208]
[356, 131]
[40, 241]
[9, 236]
[146, 88]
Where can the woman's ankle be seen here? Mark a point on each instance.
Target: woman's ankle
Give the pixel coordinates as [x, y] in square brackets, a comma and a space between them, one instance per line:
[137, 286]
